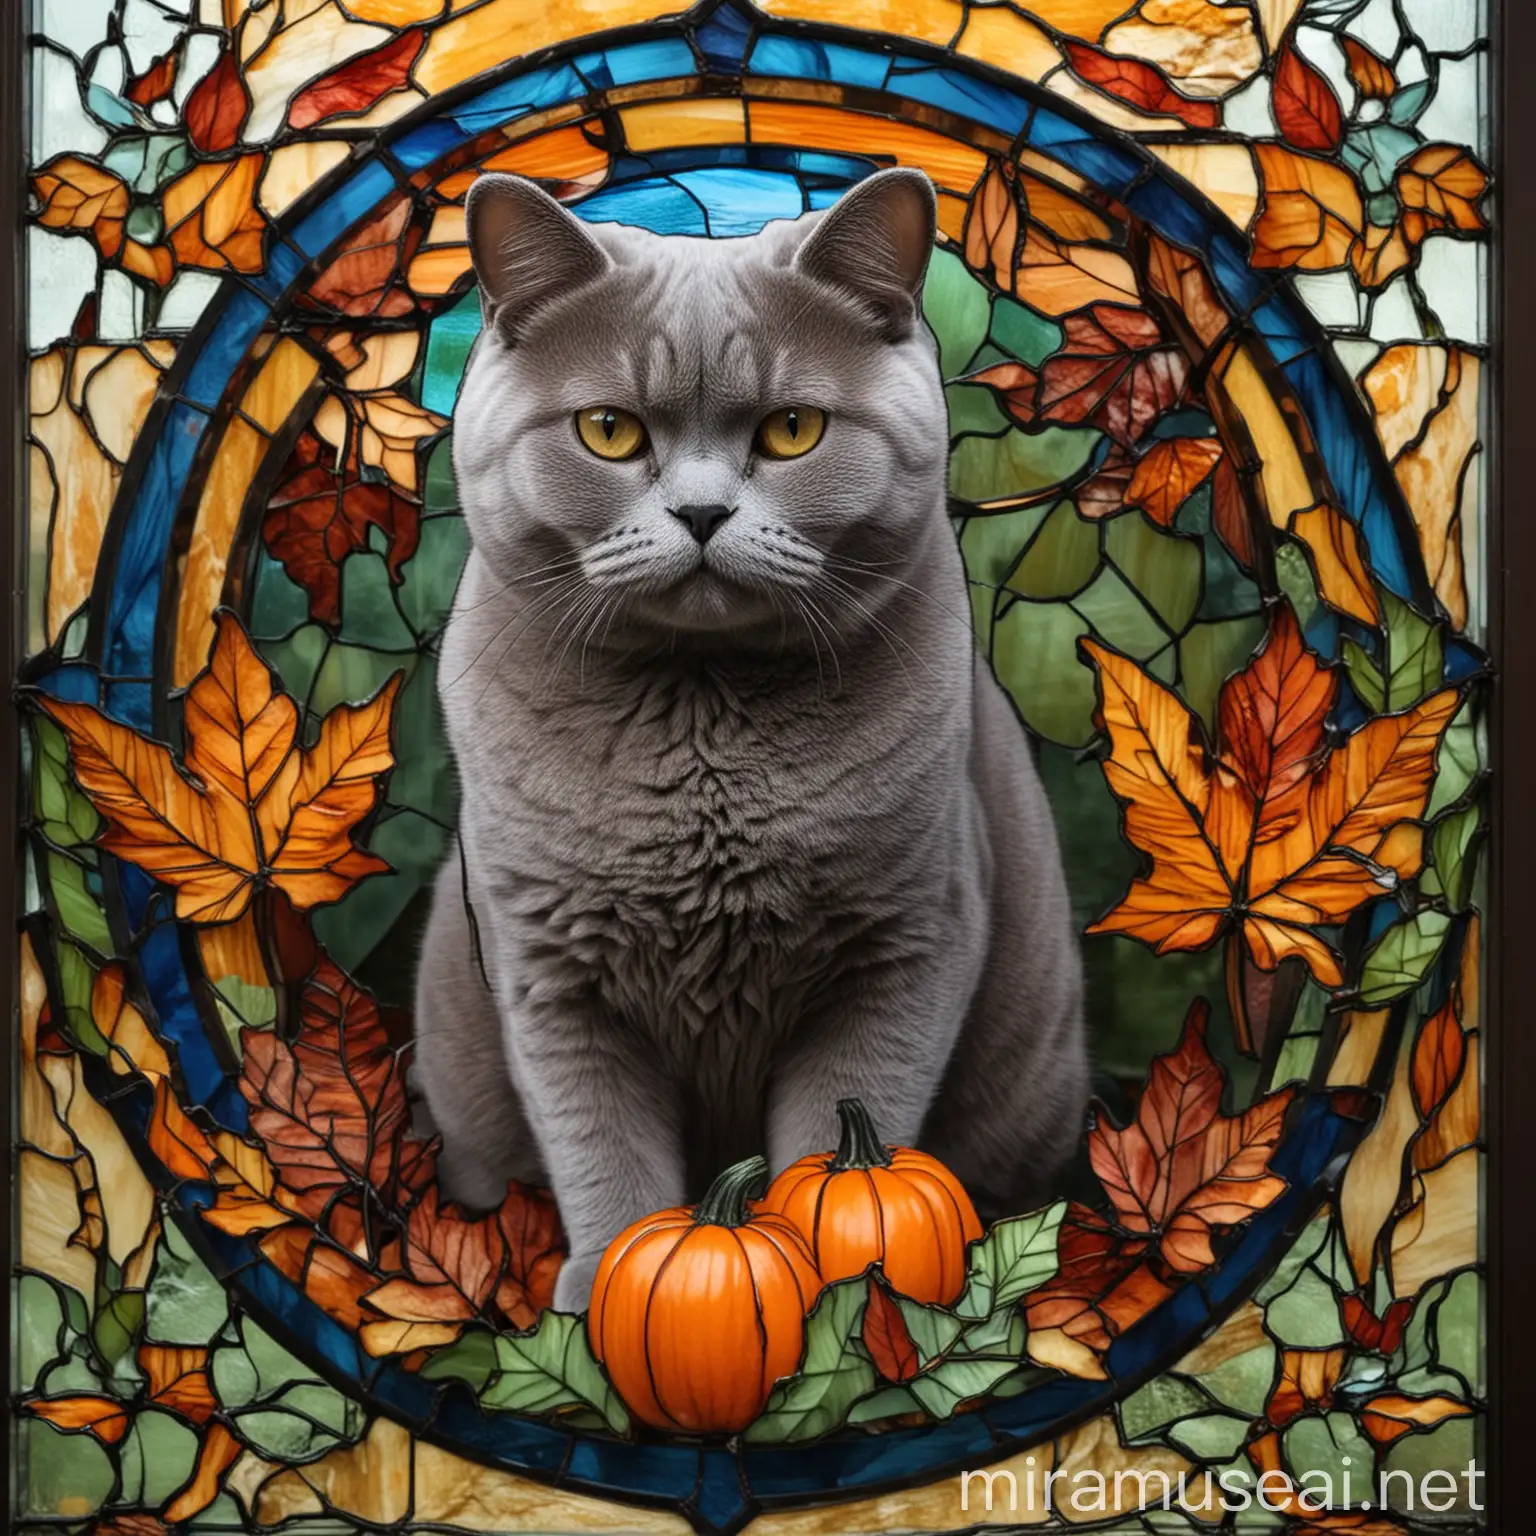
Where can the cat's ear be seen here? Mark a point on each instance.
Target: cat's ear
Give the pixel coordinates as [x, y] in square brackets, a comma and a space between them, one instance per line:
[875, 244]
[526, 248]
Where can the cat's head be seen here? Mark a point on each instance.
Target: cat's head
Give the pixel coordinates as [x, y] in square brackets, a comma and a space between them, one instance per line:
[703, 436]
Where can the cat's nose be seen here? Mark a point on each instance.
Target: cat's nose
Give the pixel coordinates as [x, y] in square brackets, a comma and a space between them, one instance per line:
[702, 521]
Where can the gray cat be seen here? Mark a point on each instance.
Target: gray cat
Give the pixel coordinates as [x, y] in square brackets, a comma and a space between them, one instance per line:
[747, 825]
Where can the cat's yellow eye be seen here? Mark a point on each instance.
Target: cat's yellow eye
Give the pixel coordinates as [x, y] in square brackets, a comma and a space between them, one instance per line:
[610, 433]
[788, 433]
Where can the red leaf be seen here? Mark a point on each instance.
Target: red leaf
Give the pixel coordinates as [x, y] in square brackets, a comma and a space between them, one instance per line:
[1381, 1335]
[358, 83]
[1114, 371]
[1305, 107]
[889, 1344]
[319, 514]
[530, 1224]
[1142, 85]
[217, 107]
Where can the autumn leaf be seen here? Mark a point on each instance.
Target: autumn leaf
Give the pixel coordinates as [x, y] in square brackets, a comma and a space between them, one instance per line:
[1371, 74]
[78, 195]
[1381, 1335]
[104, 1417]
[217, 1454]
[1440, 188]
[211, 216]
[329, 1108]
[249, 807]
[1103, 493]
[1307, 1381]
[1311, 215]
[993, 230]
[1182, 1169]
[1438, 1055]
[1394, 1414]
[321, 513]
[1178, 1174]
[178, 1379]
[1334, 550]
[1169, 473]
[1114, 371]
[1276, 831]
[1306, 109]
[217, 106]
[1142, 85]
[359, 83]
[365, 277]
[1230, 514]
[155, 83]
[886, 1337]
[332, 1115]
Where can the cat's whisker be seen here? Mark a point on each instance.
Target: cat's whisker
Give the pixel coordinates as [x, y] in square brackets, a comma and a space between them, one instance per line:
[543, 606]
[830, 631]
[837, 563]
[844, 591]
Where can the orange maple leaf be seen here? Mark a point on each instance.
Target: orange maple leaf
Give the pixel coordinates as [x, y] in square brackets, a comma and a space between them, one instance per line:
[249, 807]
[1275, 830]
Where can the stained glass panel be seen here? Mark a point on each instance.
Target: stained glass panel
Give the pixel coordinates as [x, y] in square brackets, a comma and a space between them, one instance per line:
[1208, 301]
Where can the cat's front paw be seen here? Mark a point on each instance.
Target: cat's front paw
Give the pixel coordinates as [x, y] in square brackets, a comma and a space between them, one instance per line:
[573, 1285]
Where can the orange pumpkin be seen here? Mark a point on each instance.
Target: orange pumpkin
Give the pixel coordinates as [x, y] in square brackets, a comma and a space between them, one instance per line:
[696, 1312]
[868, 1203]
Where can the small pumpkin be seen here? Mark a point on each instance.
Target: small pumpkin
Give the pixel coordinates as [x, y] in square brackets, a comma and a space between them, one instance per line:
[868, 1203]
[696, 1312]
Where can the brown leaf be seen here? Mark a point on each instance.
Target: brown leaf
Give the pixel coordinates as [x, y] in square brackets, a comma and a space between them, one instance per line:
[1114, 371]
[104, 1417]
[1230, 514]
[367, 276]
[214, 1459]
[1143, 85]
[1169, 473]
[1381, 1335]
[320, 513]
[355, 86]
[1104, 493]
[1306, 109]
[1182, 1168]
[330, 1109]
[886, 1337]
[217, 106]
[178, 1379]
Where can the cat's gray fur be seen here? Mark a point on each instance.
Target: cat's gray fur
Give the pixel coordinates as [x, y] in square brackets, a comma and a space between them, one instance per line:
[747, 825]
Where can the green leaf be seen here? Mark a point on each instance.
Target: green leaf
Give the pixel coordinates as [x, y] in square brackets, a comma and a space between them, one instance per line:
[78, 909]
[1458, 761]
[1366, 677]
[471, 1358]
[834, 1374]
[1015, 1256]
[887, 1403]
[551, 1368]
[66, 816]
[1397, 961]
[1453, 859]
[982, 1357]
[1415, 652]
[933, 1330]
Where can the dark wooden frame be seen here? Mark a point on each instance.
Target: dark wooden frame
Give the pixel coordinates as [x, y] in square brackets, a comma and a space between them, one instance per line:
[1511, 415]
[1511, 1060]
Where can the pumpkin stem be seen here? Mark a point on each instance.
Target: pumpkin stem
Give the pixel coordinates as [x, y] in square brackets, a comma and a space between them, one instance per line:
[725, 1202]
[860, 1146]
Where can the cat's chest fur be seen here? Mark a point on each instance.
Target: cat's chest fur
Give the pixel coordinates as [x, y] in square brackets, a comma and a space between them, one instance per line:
[695, 848]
